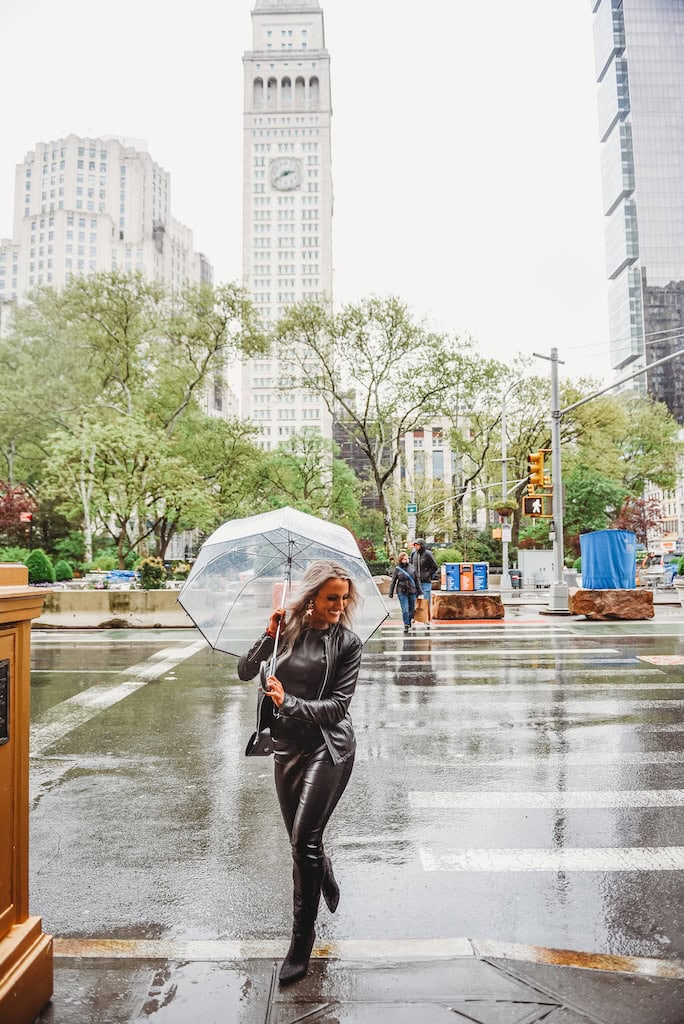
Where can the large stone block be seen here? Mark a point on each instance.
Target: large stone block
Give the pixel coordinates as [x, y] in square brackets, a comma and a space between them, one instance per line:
[383, 584]
[612, 604]
[466, 605]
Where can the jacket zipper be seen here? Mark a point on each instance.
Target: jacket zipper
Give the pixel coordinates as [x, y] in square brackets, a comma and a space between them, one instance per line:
[324, 732]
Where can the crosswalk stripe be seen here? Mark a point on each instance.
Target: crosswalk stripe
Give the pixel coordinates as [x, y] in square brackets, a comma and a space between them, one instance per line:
[571, 799]
[648, 858]
[501, 690]
[82, 706]
[587, 759]
[501, 704]
[502, 652]
[447, 728]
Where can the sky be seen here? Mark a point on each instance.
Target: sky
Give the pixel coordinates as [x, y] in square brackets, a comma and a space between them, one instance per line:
[466, 162]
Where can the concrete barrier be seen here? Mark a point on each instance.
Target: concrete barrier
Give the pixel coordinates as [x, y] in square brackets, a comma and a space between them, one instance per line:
[112, 609]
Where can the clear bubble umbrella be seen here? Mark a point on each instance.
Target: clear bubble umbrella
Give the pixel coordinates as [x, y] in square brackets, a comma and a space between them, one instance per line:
[249, 566]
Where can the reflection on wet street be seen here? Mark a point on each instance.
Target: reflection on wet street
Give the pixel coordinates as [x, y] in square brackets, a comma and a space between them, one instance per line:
[518, 781]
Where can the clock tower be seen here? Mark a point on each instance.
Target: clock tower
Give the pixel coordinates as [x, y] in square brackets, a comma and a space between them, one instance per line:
[287, 195]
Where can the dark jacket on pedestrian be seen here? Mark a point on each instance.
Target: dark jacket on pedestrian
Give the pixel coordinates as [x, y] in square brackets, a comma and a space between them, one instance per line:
[423, 563]
[330, 711]
[404, 580]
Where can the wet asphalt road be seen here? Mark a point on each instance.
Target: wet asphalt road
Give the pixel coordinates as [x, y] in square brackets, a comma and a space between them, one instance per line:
[521, 781]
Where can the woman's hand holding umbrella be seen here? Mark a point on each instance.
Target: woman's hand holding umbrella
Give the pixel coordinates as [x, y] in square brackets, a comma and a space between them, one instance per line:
[277, 619]
[274, 690]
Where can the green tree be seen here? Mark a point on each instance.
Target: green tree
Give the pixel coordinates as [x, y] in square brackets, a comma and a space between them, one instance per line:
[380, 372]
[133, 481]
[115, 350]
[304, 472]
[591, 502]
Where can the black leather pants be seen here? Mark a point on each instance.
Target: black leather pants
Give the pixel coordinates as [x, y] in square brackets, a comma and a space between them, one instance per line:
[309, 787]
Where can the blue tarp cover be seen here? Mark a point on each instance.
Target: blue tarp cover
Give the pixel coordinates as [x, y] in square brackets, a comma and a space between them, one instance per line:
[608, 560]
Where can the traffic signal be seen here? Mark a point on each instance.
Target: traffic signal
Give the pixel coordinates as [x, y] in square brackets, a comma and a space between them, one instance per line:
[535, 469]
[538, 506]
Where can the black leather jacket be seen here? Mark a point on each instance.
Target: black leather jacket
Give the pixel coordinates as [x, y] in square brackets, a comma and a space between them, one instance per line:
[330, 711]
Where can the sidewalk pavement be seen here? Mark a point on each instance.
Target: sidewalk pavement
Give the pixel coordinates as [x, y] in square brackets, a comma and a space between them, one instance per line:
[412, 982]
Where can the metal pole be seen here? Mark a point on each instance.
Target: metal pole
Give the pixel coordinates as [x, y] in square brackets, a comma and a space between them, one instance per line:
[505, 587]
[558, 601]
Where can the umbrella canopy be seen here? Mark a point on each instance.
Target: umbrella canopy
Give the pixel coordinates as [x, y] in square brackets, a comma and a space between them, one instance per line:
[245, 568]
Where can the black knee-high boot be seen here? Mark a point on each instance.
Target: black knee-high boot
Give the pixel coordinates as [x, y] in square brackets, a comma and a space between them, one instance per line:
[329, 887]
[307, 875]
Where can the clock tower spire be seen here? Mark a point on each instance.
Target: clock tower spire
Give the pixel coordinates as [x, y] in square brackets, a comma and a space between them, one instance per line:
[287, 194]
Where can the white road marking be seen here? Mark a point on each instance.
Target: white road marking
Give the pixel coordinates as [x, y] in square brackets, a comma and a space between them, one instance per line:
[258, 949]
[75, 671]
[500, 704]
[578, 799]
[527, 652]
[99, 638]
[551, 760]
[81, 707]
[445, 728]
[552, 688]
[646, 858]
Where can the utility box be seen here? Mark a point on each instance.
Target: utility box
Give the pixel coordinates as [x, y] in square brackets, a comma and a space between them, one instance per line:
[25, 952]
[480, 576]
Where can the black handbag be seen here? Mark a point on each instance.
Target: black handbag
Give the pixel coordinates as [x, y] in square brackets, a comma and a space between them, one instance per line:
[260, 742]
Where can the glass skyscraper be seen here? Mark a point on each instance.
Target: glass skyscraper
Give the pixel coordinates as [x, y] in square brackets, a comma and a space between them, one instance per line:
[639, 51]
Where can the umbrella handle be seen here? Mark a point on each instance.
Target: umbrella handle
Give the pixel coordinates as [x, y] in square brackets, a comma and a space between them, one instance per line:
[274, 655]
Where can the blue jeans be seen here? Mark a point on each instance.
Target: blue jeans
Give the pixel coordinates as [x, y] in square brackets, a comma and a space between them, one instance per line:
[407, 603]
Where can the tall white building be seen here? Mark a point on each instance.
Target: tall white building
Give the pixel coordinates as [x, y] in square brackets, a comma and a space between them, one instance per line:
[287, 199]
[86, 205]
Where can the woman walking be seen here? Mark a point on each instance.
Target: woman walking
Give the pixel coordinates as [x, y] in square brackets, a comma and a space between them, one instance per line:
[404, 582]
[313, 738]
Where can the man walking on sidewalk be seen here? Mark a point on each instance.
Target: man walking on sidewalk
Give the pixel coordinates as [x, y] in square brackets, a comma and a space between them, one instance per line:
[425, 568]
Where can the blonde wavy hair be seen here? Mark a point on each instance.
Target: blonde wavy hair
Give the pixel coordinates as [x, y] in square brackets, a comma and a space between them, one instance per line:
[316, 576]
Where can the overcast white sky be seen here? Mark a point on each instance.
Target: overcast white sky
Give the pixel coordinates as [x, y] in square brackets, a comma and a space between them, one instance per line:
[465, 153]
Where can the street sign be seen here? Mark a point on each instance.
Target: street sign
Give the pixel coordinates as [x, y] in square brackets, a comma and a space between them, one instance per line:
[25, 517]
[539, 506]
[411, 509]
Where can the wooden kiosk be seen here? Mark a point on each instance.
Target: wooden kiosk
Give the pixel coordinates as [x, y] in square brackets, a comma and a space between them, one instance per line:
[25, 952]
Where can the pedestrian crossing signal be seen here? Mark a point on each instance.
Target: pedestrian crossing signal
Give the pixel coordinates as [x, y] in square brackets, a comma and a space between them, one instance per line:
[539, 506]
[535, 470]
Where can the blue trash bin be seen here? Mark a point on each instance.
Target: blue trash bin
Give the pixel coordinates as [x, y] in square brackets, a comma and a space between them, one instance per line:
[452, 575]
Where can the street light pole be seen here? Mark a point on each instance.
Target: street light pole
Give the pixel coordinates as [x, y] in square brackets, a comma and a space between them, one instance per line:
[558, 598]
[559, 590]
[505, 587]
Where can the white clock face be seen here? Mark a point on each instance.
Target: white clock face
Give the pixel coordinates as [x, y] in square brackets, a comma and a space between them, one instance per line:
[286, 173]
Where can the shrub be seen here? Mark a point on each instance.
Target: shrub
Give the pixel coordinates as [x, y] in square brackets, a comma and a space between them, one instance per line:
[102, 563]
[680, 566]
[577, 564]
[152, 573]
[181, 571]
[443, 555]
[63, 570]
[379, 568]
[14, 554]
[40, 567]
